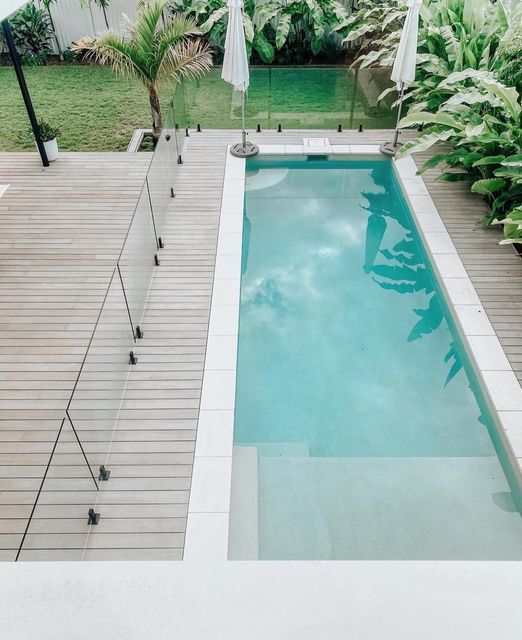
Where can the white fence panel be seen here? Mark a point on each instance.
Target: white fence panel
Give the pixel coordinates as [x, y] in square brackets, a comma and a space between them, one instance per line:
[73, 19]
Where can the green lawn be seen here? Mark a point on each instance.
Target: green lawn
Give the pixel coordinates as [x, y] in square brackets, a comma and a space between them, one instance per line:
[98, 112]
[95, 110]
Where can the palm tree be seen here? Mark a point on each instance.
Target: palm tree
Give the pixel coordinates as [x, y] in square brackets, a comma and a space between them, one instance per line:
[47, 4]
[155, 48]
[103, 5]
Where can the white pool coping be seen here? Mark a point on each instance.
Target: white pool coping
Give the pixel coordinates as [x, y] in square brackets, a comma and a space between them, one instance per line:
[209, 504]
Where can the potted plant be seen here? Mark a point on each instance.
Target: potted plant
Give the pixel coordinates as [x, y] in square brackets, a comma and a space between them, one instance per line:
[48, 134]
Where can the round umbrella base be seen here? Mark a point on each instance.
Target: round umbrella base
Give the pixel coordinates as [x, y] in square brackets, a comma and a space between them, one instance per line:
[246, 150]
[390, 149]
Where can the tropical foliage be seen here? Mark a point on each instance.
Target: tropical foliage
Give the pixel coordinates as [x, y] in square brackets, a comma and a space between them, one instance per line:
[32, 32]
[285, 32]
[154, 49]
[510, 55]
[375, 26]
[480, 125]
[453, 35]
[465, 95]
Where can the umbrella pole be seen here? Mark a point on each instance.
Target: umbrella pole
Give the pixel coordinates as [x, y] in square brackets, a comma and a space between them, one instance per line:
[243, 135]
[401, 98]
[244, 149]
[390, 149]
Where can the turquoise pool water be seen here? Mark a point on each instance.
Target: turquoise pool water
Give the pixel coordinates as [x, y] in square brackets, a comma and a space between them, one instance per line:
[360, 429]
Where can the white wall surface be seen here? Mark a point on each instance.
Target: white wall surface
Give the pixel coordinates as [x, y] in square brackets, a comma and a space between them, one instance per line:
[73, 20]
[261, 601]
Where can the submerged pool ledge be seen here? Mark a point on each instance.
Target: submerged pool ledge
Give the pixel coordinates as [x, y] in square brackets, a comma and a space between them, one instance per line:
[209, 505]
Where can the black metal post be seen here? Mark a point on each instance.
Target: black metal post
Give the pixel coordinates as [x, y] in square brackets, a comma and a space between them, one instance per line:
[15, 59]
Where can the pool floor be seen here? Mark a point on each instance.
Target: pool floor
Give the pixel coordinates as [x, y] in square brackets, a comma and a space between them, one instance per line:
[360, 429]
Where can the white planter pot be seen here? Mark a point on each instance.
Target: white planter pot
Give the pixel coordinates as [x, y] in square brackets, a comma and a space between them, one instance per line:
[51, 149]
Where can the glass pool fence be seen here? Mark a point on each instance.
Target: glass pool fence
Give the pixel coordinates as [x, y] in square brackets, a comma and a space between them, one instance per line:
[70, 498]
[290, 97]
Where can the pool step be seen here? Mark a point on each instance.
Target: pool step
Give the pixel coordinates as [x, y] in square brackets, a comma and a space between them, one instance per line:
[243, 541]
[256, 180]
[282, 449]
[386, 508]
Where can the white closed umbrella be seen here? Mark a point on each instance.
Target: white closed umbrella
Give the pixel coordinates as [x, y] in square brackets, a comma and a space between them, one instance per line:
[235, 68]
[403, 72]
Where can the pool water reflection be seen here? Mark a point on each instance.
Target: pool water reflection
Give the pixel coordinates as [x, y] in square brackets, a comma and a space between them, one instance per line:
[360, 430]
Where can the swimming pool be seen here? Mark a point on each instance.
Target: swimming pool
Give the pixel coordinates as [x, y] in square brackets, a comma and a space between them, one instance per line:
[361, 431]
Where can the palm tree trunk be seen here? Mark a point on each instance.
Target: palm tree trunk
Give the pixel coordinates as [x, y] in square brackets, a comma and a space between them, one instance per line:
[157, 121]
[54, 32]
[105, 16]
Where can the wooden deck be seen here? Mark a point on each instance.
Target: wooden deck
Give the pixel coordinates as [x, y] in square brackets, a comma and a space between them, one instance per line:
[60, 232]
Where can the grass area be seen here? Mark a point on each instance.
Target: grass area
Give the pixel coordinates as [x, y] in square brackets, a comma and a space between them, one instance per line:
[97, 111]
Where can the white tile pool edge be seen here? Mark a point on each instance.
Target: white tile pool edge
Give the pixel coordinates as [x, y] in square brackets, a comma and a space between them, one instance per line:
[209, 503]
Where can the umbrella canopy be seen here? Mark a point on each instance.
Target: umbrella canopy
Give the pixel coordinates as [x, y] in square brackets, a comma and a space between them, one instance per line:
[403, 72]
[235, 62]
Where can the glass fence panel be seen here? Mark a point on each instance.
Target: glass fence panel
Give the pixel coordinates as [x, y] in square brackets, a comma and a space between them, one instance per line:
[294, 97]
[137, 259]
[160, 180]
[179, 106]
[365, 107]
[58, 527]
[160, 177]
[180, 118]
[97, 397]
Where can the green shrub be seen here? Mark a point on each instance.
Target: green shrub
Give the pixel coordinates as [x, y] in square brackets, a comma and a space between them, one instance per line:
[468, 71]
[292, 32]
[32, 31]
[47, 131]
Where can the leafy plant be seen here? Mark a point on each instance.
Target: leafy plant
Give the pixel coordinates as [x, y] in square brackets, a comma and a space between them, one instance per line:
[298, 29]
[468, 68]
[154, 49]
[48, 132]
[32, 30]
[301, 25]
[510, 55]
[376, 27]
[454, 35]
[70, 56]
[481, 124]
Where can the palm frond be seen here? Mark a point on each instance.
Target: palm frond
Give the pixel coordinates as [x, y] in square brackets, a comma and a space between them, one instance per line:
[147, 26]
[178, 29]
[188, 59]
[155, 48]
[112, 50]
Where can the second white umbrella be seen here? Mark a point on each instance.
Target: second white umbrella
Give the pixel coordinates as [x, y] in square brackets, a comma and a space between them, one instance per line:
[235, 69]
[403, 72]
